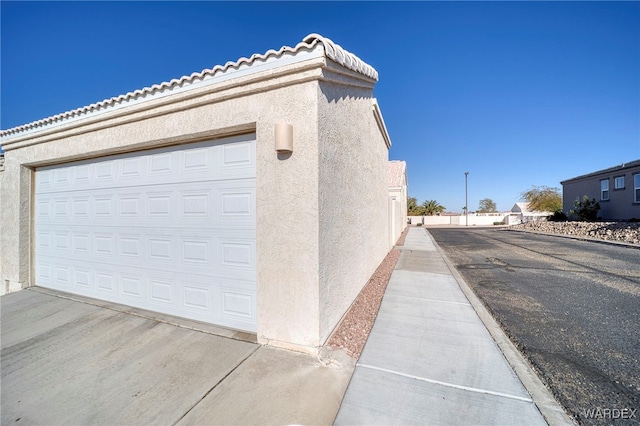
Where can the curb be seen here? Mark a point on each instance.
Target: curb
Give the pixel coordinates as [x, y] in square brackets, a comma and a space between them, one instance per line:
[542, 397]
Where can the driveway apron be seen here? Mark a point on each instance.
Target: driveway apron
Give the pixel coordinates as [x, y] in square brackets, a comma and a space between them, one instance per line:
[66, 362]
[69, 362]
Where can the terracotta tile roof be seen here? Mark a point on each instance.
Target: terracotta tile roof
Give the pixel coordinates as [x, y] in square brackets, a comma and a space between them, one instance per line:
[397, 171]
[332, 51]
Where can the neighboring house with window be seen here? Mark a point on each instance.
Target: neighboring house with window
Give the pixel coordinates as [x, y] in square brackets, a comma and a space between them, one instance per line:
[617, 189]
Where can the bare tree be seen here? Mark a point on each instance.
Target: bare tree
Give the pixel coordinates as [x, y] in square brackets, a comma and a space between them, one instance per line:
[487, 205]
[543, 199]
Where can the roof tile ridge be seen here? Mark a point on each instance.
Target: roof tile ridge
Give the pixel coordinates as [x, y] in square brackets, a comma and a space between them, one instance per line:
[342, 56]
[332, 50]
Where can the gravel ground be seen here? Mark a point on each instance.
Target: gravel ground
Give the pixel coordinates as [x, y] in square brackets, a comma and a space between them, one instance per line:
[400, 241]
[352, 333]
[608, 231]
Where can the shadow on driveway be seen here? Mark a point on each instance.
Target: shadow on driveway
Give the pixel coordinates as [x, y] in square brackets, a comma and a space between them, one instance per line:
[68, 362]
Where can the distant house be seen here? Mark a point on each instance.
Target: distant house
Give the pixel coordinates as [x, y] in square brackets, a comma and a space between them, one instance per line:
[617, 189]
[521, 211]
[397, 199]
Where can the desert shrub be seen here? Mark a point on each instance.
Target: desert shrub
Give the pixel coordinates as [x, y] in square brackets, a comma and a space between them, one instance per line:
[558, 216]
[586, 210]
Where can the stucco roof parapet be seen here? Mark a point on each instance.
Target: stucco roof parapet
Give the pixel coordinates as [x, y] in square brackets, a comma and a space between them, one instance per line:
[397, 171]
[332, 51]
[347, 59]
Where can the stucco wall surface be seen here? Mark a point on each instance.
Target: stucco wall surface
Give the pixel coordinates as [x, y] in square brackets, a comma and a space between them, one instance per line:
[15, 230]
[287, 246]
[314, 253]
[575, 190]
[398, 215]
[353, 198]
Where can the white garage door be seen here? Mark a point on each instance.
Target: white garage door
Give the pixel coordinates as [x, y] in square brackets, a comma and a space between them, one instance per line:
[171, 230]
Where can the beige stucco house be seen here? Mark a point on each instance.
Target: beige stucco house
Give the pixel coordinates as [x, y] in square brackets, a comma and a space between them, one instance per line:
[397, 199]
[252, 195]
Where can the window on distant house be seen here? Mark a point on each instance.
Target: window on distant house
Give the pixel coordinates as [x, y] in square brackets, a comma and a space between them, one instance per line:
[636, 188]
[618, 183]
[604, 189]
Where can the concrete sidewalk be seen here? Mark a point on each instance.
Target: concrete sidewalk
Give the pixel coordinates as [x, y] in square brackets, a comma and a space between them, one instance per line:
[431, 360]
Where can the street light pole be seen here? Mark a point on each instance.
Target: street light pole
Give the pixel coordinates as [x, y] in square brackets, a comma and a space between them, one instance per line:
[466, 202]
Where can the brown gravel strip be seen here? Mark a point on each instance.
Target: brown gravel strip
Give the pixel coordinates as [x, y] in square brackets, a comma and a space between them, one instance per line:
[352, 333]
[400, 241]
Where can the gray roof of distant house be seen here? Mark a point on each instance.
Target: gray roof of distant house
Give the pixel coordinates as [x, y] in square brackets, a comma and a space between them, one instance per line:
[618, 168]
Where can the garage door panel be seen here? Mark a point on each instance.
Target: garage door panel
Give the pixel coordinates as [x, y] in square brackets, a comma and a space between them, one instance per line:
[62, 242]
[202, 205]
[80, 207]
[236, 207]
[132, 288]
[237, 254]
[216, 300]
[224, 254]
[197, 298]
[171, 230]
[82, 280]
[131, 247]
[238, 305]
[128, 205]
[105, 283]
[192, 163]
[196, 252]
[43, 210]
[43, 240]
[62, 276]
[163, 292]
[61, 208]
[44, 273]
[43, 182]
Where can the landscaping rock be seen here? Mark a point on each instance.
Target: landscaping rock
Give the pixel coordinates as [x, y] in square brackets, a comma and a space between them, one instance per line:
[607, 231]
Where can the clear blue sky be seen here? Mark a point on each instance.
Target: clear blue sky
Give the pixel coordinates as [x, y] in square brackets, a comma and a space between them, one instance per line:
[515, 93]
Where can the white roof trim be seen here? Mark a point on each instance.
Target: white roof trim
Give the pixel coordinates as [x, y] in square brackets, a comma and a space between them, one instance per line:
[380, 121]
[307, 49]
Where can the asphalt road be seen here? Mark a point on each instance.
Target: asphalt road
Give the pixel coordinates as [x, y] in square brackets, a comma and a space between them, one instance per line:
[571, 307]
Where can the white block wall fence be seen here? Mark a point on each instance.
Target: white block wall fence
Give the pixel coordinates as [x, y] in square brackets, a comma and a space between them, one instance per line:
[174, 199]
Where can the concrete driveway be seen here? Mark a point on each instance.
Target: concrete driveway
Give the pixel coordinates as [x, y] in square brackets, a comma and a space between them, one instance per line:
[67, 361]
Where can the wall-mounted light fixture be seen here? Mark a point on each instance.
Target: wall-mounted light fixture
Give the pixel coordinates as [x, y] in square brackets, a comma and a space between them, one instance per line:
[284, 138]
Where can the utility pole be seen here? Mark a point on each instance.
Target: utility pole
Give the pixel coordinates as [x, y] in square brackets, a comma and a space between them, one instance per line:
[466, 201]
